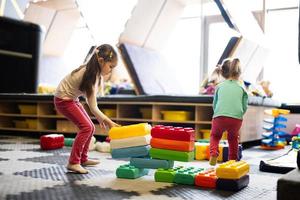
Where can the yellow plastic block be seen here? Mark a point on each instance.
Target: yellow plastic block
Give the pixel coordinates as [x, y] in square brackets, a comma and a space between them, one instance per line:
[129, 131]
[232, 169]
[177, 115]
[201, 151]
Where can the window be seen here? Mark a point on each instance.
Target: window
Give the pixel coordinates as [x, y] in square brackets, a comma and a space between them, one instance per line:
[282, 67]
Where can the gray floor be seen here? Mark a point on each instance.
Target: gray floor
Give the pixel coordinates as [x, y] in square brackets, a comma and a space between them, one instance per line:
[26, 172]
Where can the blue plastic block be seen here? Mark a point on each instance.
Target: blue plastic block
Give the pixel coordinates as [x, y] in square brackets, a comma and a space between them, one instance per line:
[151, 163]
[131, 152]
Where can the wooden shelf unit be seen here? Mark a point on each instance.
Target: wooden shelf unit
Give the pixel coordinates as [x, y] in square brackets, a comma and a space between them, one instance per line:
[49, 121]
[125, 113]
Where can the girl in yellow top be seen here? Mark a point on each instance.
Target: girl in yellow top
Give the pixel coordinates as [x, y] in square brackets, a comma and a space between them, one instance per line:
[85, 81]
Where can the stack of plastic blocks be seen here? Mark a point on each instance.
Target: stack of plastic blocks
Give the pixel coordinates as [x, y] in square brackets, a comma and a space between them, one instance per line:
[52, 141]
[130, 141]
[202, 151]
[232, 175]
[172, 143]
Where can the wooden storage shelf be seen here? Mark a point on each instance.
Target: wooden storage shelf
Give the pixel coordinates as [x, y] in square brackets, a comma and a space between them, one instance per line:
[124, 113]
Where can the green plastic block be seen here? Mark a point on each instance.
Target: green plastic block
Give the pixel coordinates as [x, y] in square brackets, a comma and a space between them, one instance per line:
[69, 142]
[130, 172]
[166, 175]
[186, 176]
[172, 155]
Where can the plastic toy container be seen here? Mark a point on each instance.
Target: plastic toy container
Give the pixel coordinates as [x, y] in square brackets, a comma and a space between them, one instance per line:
[146, 113]
[20, 124]
[177, 115]
[28, 109]
[31, 123]
[111, 113]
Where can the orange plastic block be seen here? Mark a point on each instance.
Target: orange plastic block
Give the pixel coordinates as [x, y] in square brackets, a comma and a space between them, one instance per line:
[206, 179]
[232, 169]
[172, 144]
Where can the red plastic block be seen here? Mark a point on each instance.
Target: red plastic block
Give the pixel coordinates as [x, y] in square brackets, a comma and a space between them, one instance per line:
[52, 141]
[206, 179]
[173, 133]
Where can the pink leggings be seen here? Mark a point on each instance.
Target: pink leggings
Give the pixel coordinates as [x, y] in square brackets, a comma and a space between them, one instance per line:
[75, 112]
[232, 126]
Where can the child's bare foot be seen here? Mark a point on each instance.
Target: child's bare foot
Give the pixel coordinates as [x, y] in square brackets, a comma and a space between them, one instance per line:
[213, 160]
[77, 168]
[90, 163]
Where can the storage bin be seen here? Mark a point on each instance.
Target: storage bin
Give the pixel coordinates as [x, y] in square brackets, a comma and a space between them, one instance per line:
[65, 126]
[28, 109]
[146, 113]
[206, 134]
[111, 113]
[32, 123]
[20, 123]
[177, 115]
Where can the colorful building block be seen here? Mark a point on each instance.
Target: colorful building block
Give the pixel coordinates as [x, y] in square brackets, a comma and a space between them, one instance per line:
[131, 152]
[130, 142]
[151, 163]
[201, 150]
[129, 131]
[232, 169]
[186, 176]
[206, 179]
[226, 153]
[172, 144]
[232, 184]
[173, 133]
[69, 142]
[130, 172]
[52, 141]
[166, 175]
[171, 155]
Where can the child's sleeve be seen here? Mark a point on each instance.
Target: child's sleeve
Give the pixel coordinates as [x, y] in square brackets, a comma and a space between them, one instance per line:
[245, 101]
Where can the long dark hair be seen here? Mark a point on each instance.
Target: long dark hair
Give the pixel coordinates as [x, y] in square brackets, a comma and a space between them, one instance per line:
[93, 67]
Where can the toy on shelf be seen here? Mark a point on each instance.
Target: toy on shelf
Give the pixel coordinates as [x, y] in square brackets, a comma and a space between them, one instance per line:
[274, 138]
[52, 141]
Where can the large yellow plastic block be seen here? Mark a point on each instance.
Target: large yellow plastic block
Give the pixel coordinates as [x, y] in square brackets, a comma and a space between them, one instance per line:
[232, 169]
[129, 131]
[201, 151]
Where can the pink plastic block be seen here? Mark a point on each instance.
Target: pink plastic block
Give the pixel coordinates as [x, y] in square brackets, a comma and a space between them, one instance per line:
[52, 141]
[173, 133]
